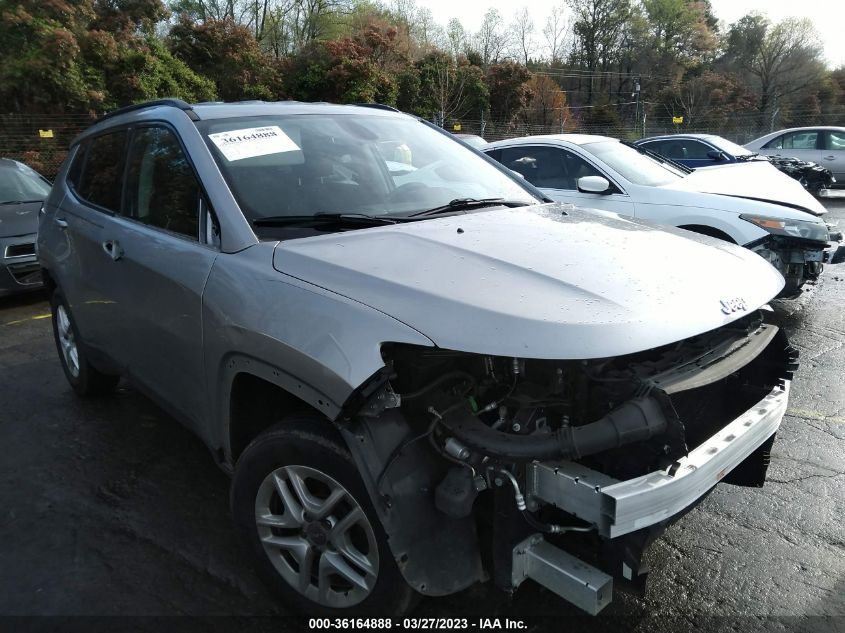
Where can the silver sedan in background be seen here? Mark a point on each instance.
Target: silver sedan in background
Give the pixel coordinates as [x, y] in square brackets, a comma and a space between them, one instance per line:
[22, 191]
[823, 145]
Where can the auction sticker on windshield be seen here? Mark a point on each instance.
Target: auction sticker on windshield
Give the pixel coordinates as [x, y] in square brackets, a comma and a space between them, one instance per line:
[252, 142]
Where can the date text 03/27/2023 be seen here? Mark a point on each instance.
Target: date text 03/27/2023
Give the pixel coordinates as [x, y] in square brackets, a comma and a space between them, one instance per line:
[410, 624]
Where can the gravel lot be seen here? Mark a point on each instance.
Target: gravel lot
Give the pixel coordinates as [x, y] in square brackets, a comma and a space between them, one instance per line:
[110, 508]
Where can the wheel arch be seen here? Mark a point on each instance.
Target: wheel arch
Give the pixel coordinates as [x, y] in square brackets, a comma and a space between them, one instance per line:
[433, 561]
[257, 396]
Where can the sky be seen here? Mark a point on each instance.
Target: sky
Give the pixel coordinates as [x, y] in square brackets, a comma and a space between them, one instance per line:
[828, 16]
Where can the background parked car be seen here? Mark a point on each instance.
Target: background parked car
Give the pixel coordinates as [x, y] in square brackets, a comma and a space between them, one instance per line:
[823, 145]
[472, 139]
[742, 204]
[708, 150]
[22, 191]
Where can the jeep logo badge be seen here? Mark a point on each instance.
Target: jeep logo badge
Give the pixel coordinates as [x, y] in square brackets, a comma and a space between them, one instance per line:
[730, 306]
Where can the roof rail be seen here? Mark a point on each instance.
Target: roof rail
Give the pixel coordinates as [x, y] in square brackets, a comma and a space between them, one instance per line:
[377, 106]
[187, 108]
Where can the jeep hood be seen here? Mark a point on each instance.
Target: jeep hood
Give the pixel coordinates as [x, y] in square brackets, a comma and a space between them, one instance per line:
[754, 180]
[548, 281]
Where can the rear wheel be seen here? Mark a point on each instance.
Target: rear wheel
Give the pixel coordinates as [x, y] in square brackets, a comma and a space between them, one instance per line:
[85, 379]
[300, 505]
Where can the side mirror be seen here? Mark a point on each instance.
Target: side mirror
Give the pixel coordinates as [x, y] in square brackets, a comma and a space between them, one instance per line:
[593, 184]
[715, 154]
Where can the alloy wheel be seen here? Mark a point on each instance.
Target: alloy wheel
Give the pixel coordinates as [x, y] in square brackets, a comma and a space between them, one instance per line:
[67, 341]
[317, 536]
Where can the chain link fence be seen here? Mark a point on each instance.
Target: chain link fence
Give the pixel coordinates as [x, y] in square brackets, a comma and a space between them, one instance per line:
[738, 127]
[41, 141]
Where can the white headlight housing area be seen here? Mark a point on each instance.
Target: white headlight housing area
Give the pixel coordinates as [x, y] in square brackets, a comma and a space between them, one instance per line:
[816, 232]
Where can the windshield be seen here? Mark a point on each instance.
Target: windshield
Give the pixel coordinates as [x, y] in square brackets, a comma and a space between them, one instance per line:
[632, 165]
[300, 165]
[729, 146]
[19, 183]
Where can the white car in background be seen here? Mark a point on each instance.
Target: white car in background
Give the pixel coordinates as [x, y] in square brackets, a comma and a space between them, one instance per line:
[747, 204]
[822, 145]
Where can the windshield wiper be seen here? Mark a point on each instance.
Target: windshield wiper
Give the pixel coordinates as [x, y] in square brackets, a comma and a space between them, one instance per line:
[326, 219]
[20, 201]
[658, 157]
[465, 204]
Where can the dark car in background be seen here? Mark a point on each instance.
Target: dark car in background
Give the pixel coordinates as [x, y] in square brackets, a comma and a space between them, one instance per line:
[708, 150]
[22, 191]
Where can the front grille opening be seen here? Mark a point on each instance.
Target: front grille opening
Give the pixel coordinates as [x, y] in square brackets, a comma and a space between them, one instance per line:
[20, 250]
[706, 410]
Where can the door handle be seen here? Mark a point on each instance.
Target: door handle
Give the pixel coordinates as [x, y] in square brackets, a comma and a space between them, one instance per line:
[112, 249]
[830, 157]
[61, 223]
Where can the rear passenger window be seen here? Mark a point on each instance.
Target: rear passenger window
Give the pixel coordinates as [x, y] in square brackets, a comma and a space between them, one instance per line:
[74, 173]
[161, 189]
[103, 173]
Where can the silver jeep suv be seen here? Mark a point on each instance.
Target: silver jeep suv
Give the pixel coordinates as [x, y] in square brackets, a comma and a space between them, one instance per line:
[420, 374]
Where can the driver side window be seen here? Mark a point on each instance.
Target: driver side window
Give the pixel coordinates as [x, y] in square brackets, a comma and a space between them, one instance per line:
[162, 190]
[547, 167]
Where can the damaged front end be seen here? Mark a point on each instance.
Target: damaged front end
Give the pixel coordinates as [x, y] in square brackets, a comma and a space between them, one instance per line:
[561, 471]
[812, 176]
[796, 248]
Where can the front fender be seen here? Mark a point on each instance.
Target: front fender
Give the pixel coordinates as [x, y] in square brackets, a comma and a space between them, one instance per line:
[311, 342]
[740, 231]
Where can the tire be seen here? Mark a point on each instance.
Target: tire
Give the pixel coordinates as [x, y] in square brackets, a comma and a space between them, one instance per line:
[85, 379]
[302, 462]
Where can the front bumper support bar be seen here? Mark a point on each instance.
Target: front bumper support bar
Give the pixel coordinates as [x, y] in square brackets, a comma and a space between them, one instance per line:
[620, 507]
[572, 579]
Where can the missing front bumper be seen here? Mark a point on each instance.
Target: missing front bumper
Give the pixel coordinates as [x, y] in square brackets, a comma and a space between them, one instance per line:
[618, 507]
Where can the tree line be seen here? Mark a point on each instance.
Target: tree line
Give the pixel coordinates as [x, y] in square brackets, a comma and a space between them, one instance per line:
[603, 63]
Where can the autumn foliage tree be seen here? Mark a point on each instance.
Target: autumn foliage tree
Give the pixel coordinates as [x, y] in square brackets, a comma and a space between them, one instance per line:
[229, 54]
[547, 105]
[87, 55]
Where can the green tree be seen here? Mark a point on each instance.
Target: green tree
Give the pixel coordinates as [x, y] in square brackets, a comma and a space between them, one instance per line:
[338, 71]
[598, 24]
[679, 33]
[42, 67]
[450, 89]
[781, 59]
[87, 55]
[228, 54]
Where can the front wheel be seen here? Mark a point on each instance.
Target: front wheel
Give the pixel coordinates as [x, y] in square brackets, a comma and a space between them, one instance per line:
[300, 505]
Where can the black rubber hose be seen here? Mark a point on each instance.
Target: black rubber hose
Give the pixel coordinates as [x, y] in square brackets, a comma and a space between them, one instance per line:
[437, 382]
[635, 421]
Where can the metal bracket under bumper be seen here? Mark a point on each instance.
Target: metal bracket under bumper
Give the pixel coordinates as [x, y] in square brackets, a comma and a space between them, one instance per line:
[620, 507]
[572, 579]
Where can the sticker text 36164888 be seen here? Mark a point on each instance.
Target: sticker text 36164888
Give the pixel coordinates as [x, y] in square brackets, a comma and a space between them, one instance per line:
[252, 142]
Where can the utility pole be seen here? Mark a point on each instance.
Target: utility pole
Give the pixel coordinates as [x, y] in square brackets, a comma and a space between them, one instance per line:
[636, 96]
